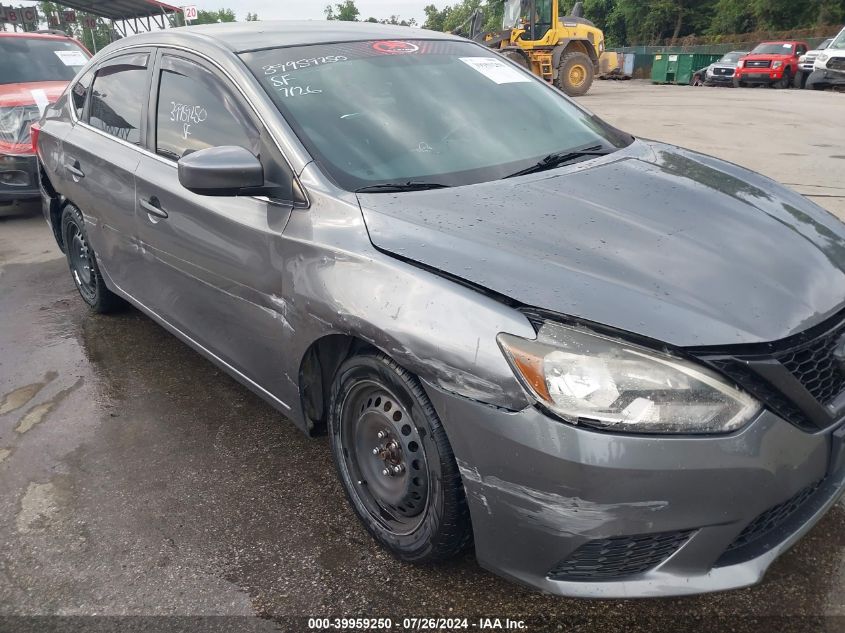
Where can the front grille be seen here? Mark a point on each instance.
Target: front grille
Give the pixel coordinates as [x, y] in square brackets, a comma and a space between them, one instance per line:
[763, 391]
[815, 365]
[836, 63]
[619, 557]
[766, 524]
[758, 63]
[815, 359]
[723, 72]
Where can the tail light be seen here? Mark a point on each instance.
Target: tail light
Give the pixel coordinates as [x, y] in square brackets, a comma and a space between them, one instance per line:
[34, 131]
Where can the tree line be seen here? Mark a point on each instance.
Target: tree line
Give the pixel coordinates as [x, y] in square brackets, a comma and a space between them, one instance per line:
[95, 39]
[346, 11]
[627, 22]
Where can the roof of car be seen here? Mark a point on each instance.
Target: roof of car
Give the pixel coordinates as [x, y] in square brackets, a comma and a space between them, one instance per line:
[34, 35]
[249, 36]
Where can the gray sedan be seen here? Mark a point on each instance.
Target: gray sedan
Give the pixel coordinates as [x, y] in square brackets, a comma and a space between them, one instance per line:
[614, 365]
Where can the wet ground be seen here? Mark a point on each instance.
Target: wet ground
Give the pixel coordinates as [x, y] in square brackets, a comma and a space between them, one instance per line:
[138, 480]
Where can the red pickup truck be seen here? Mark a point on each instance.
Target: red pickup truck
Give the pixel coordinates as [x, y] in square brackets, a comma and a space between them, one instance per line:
[771, 63]
[35, 69]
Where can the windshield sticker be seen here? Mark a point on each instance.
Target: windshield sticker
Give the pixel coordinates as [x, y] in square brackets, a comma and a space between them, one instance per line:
[391, 47]
[41, 100]
[789, 46]
[71, 58]
[187, 115]
[495, 70]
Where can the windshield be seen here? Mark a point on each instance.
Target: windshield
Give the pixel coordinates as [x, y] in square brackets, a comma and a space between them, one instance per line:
[437, 111]
[839, 42]
[512, 14]
[825, 44]
[731, 58]
[30, 59]
[774, 48]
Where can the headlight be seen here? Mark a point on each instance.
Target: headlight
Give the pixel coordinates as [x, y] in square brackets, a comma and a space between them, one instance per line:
[15, 122]
[823, 57]
[777, 64]
[740, 64]
[590, 379]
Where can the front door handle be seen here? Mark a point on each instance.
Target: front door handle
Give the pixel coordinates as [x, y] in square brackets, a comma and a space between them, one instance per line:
[75, 169]
[153, 207]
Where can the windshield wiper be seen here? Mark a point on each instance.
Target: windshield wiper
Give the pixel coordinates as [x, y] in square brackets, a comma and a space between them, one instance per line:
[560, 158]
[411, 185]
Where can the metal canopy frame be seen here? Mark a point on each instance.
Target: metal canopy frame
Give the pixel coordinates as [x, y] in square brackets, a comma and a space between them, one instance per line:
[129, 17]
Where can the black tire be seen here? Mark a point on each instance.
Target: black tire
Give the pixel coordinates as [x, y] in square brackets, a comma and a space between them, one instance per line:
[83, 264]
[738, 83]
[785, 81]
[799, 80]
[573, 66]
[517, 57]
[420, 515]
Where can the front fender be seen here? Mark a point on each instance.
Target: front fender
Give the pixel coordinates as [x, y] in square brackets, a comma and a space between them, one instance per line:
[337, 282]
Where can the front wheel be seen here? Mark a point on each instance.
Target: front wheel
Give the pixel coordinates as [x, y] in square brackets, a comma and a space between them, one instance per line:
[575, 74]
[785, 81]
[395, 462]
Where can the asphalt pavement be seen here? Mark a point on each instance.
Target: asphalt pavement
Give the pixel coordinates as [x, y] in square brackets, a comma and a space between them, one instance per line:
[140, 484]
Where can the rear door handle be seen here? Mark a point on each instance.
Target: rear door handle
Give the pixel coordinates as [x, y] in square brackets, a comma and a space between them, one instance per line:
[75, 169]
[153, 207]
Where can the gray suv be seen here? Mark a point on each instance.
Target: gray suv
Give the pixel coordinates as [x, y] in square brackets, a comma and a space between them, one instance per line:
[614, 365]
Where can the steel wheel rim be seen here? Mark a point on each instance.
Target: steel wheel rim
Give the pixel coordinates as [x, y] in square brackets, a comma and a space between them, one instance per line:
[396, 500]
[577, 74]
[81, 261]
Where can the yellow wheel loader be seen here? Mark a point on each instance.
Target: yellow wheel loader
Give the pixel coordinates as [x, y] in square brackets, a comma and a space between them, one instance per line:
[563, 50]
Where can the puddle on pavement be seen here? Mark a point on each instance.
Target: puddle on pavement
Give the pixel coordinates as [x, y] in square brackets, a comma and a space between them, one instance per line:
[38, 506]
[19, 397]
[37, 413]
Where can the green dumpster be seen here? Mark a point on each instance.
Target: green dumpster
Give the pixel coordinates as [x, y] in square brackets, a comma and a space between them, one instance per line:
[678, 68]
[659, 68]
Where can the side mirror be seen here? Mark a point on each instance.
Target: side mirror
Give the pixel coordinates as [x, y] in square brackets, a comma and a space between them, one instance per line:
[222, 171]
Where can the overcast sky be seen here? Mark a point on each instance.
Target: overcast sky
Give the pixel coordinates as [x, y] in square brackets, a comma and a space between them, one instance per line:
[313, 9]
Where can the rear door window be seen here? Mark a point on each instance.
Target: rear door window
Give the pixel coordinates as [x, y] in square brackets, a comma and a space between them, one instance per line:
[118, 96]
[196, 111]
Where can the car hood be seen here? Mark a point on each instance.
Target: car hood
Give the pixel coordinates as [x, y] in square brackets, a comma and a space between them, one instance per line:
[22, 94]
[722, 65]
[655, 240]
[767, 56]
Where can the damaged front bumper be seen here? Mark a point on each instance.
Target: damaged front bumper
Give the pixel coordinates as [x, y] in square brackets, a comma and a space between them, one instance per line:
[826, 78]
[576, 512]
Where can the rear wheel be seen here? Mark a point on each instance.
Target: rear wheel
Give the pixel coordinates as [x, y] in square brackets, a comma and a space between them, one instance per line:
[575, 74]
[83, 263]
[395, 462]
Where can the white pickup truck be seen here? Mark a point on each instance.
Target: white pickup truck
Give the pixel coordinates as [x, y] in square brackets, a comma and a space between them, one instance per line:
[829, 66]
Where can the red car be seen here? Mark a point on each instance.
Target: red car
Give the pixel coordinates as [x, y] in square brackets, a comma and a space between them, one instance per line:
[35, 69]
[770, 63]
